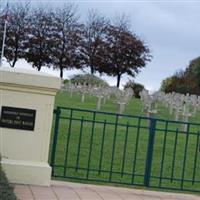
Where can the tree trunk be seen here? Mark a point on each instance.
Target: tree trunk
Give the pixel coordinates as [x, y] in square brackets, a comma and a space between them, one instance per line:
[118, 80]
[39, 68]
[61, 73]
[14, 62]
[16, 52]
[92, 70]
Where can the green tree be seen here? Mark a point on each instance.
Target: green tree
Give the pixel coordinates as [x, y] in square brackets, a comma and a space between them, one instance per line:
[174, 84]
[192, 73]
[184, 81]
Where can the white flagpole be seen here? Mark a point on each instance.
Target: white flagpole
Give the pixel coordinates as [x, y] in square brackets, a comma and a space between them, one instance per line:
[4, 36]
[3, 44]
[2, 54]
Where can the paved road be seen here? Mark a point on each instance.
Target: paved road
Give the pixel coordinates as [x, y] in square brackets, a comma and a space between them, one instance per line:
[77, 191]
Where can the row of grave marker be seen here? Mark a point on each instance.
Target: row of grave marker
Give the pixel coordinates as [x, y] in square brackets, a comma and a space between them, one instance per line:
[121, 97]
[181, 106]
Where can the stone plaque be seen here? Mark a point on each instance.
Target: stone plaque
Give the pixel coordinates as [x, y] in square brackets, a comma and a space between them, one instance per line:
[17, 118]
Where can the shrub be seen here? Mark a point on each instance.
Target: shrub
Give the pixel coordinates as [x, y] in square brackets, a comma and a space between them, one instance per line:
[6, 190]
[136, 87]
[66, 81]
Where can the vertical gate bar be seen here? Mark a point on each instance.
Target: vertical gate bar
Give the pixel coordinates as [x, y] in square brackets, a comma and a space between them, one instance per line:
[174, 155]
[136, 149]
[68, 139]
[113, 147]
[185, 156]
[102, 146]
[79, 144]
[163, 154]
[91, 143]
[195, 160]
[125, 147]
[149, 159]
[55, 138]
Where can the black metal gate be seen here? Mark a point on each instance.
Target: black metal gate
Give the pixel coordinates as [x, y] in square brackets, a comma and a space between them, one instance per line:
[125, 149]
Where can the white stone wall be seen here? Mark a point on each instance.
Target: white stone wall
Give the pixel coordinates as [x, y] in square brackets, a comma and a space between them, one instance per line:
[25, 153]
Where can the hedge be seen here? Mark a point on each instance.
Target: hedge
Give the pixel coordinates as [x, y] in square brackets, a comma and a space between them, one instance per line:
[88, 79]
[6, 190]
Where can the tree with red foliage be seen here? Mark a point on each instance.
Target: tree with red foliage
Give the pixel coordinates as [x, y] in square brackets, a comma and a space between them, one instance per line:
[122, 52]
[94, 31]
[37, 43]
[17, 27]
[66, 35]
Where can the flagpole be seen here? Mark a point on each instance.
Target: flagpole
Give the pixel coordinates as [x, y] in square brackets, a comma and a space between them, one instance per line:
[1, 58]
[3, 44]
[4, 36]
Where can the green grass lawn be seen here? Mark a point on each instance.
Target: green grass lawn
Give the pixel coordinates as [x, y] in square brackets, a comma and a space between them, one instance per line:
[102, 151]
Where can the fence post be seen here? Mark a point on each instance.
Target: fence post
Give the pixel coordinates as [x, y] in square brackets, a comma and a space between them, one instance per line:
[149, 157]
[55, 138]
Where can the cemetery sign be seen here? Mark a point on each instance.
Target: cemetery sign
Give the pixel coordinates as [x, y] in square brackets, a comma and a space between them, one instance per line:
[17, 118]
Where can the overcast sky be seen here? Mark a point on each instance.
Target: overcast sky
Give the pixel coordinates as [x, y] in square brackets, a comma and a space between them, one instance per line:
[170, 28]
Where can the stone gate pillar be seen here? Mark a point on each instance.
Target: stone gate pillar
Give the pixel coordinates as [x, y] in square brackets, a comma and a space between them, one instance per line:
[26, 112]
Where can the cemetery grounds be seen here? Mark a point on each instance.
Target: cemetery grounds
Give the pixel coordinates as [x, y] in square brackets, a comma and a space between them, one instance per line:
[118, 154]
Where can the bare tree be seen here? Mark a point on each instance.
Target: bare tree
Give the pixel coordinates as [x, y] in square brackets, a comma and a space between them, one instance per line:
[121, 21]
